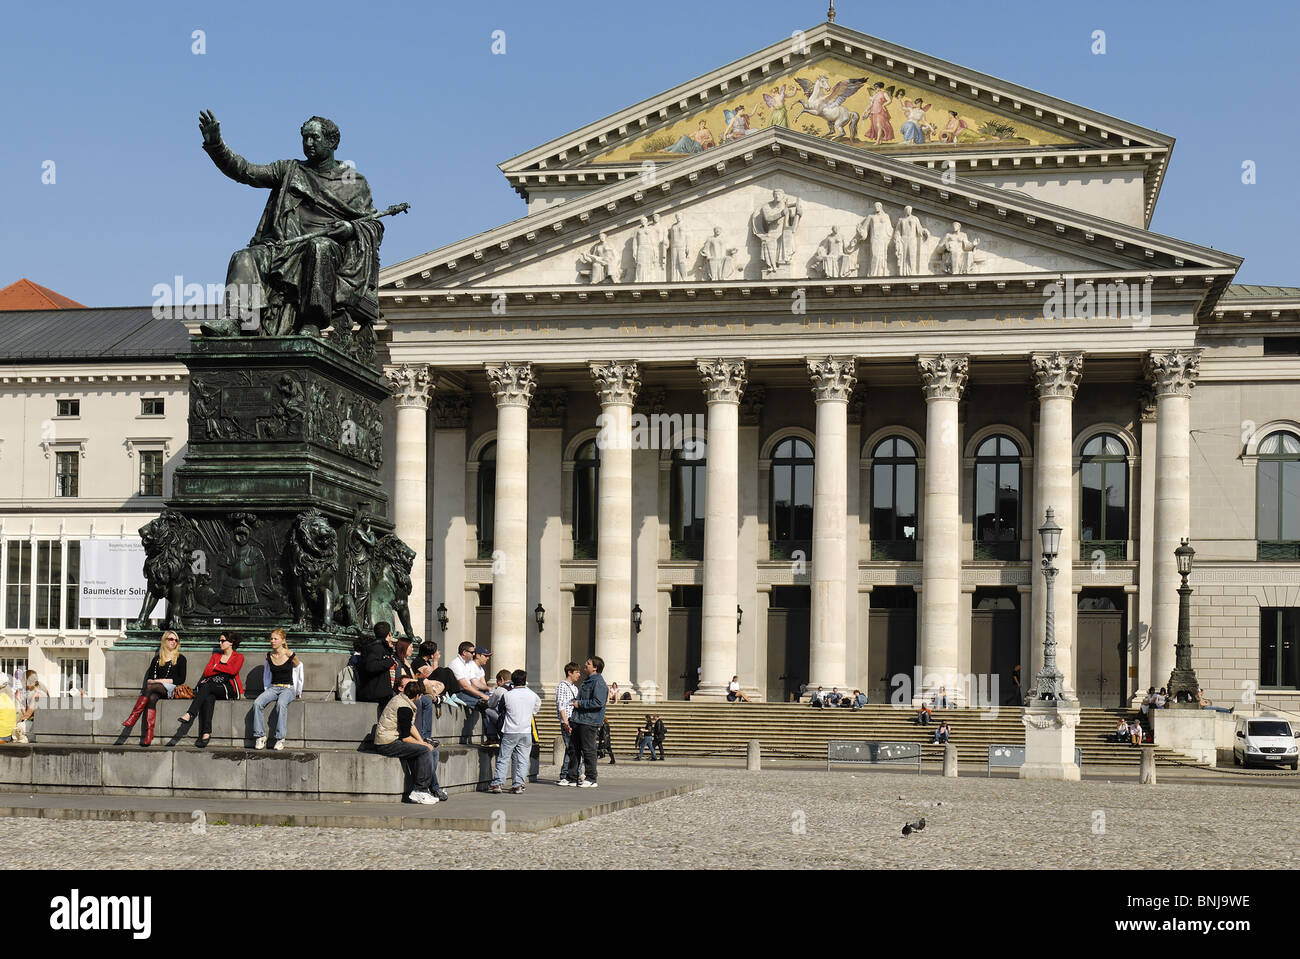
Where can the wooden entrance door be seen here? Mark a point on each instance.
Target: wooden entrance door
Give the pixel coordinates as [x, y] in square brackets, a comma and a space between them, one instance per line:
[1100, 648]
[891, 642]
[685, 624]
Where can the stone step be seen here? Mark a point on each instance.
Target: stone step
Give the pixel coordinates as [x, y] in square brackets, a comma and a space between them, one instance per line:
[229, 773]
[311, 725]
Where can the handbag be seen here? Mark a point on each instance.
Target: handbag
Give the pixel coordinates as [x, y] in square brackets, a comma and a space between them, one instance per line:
[183, 692]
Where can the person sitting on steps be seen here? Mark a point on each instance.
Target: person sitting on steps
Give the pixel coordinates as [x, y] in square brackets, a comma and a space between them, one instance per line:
[220, 681]
[165, 674]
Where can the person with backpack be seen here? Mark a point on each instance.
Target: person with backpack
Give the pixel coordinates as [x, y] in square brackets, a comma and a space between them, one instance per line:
[645, 737]
[587, 718]
[660, 731]
[517, 705]
[605, 742]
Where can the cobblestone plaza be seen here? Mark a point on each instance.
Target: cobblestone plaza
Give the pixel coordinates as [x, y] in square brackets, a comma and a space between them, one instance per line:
[769, 820]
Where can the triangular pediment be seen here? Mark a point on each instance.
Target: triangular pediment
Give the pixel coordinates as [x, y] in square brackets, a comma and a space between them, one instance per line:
[832, 187]
[891, 100]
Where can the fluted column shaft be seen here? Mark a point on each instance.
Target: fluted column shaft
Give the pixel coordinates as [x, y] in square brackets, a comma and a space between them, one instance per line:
[616, 385]
[833, 381]
[412, 389]
[1173, 376]
[1056, 378]
[724, 381]
[512, 386]
[943, 380]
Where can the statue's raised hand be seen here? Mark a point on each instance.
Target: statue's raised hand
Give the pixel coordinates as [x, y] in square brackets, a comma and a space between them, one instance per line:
[209, 127]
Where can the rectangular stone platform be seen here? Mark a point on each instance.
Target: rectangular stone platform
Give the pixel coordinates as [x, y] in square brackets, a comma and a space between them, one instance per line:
[542, 807]
[225, 773]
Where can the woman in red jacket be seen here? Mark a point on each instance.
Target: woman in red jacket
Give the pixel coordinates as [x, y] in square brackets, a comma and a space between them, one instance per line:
[220, 681]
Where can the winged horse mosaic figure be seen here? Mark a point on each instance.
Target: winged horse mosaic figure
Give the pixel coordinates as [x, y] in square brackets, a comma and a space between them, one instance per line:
[827, 102]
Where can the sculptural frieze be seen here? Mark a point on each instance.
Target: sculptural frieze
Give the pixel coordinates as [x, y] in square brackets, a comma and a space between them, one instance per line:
[718, 261]
[776, 223]
[958, 251]
[600, 263]
[909, 234]
[832, 257]
[874, 234]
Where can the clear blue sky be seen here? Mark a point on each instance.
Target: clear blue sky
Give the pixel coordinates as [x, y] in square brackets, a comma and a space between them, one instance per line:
[111, 93]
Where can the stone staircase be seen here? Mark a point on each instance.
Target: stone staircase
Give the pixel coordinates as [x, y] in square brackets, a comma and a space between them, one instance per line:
[794, 731]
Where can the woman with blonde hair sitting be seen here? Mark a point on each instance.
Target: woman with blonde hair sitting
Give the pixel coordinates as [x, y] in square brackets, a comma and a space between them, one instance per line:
[165, 674]
[282, 683]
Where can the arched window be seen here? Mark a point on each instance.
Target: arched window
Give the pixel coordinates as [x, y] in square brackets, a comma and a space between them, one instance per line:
[586, 490]
[487, 499]
[1277, 497]
[893, 500]
[686, 522]
[790, 524]
[1103, 497]
[997, 499]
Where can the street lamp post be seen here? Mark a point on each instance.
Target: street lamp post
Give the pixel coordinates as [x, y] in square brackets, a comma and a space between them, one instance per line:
[1184, 689]
[1050, 683]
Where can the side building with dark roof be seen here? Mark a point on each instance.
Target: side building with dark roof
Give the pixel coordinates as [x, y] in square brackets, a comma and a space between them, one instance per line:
[93, 407]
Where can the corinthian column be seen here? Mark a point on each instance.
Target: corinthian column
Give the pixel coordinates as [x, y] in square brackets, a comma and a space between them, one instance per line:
[1056, 376]
[512, 385]
[943, 379]
[616, 385]
[1172, 375]
[724, 381]
[833, 381]
[412, 389]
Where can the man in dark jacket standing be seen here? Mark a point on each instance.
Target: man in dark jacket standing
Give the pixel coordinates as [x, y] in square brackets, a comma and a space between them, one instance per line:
[658, 739]
[588, 716]
[378, 668]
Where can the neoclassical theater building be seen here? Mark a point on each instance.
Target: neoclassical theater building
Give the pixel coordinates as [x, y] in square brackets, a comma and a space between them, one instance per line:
[783, 368]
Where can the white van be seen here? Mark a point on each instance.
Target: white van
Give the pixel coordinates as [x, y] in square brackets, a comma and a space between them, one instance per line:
[1264, 739]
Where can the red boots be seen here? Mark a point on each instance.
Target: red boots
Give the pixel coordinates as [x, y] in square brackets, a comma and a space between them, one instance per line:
[136, 711]
[149, 717]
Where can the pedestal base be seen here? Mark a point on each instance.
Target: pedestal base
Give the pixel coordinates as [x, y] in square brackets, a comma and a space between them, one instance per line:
[1188, 730]
[1049, 742]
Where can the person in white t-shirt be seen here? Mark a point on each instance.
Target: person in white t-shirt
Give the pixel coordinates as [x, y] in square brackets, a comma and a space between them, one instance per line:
[518, 705]
[467, 667]
[734, 692]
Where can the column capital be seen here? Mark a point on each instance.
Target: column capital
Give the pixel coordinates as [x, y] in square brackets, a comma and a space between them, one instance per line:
[943, 377]
[451, 409]
[832, 377]
[1173, 372]
[1056, 373]
[411, 385]
[724, 380]
[617, 382]
[512, 383]
[548, 409]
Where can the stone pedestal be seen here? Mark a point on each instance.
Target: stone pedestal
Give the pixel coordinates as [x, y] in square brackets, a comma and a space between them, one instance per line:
[1186, 729]
[1049, 742]
[279, 496]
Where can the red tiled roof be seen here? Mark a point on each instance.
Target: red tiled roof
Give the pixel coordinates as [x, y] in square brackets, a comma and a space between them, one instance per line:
[26, 295]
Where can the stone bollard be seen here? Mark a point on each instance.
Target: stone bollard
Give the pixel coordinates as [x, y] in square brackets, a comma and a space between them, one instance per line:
[950, 760]
[754, 757]
[557, 751]
[1147, 771]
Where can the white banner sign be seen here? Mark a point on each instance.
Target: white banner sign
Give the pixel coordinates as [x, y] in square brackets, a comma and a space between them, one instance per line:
[112, 578]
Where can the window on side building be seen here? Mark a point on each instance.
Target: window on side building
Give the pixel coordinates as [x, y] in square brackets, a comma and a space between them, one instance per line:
[687, 525]
[1279, 643]
[1277, 497]
[66, 472]
[151, 472]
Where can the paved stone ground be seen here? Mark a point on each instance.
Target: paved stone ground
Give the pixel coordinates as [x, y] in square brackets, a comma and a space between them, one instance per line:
[777, 818]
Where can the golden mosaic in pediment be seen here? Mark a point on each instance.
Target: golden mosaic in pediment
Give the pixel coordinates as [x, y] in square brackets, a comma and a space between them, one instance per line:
[841, 102]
